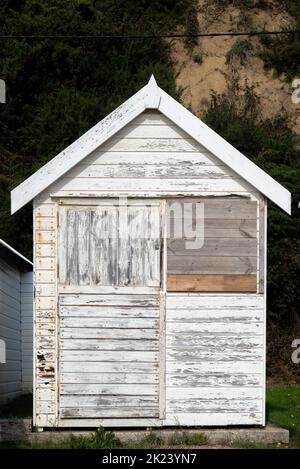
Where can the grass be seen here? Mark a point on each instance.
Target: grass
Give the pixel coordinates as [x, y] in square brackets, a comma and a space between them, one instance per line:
[248, 444]
[19, 408]
[181, 438]
[283, 409]
[101, 439]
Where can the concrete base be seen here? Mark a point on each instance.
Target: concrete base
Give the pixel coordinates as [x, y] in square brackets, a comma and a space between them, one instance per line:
[20, 430]
[219, 436]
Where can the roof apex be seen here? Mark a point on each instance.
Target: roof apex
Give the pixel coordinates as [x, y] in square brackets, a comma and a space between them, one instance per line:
[150, 96]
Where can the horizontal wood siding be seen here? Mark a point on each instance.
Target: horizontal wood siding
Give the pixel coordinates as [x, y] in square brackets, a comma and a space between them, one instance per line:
[117, 376]
[226, 260]
[217, 283]
[27, 330]
[10, 332]
[149, 157]
[214, 353]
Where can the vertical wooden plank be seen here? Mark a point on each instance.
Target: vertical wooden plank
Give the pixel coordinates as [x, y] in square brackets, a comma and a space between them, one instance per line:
[265, 226]
[124, 250]
[72, 249]
[62, 246]
[83, 246]
[45, 353]
[261, 242]
[103, 255]
[155, 243]
[139, 269]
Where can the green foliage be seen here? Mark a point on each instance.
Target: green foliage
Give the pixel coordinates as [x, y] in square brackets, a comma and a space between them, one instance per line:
[59, 88]
[283, 52]
[101, 439]
[272, 145]
[192, 28]
[240, 49]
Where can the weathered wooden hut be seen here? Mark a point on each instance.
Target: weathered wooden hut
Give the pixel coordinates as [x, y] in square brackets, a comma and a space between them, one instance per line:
[150, 273]
[16, 323]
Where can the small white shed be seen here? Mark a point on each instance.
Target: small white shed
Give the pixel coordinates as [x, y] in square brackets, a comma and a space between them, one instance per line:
[16, 323]
[150, 274]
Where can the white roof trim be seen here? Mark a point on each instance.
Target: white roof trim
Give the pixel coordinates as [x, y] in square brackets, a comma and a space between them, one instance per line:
[150, 97]
[15, 252]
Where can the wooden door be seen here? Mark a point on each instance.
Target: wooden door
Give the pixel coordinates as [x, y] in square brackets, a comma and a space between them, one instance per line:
[109, 306]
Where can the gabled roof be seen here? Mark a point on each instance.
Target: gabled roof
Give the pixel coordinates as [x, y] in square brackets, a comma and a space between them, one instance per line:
[13, 256]
[150, 96]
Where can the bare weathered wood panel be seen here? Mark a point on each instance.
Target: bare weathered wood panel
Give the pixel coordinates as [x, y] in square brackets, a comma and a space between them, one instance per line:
[108, 412]
[207, 283]
[218, 228]
[109, 245]
[234, 208]
[190, 264]
[214, 247]
[214, 256]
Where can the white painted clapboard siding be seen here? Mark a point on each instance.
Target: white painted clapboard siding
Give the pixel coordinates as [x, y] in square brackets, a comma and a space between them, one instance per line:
[10, 332]
[214, 359]
[27, 330]
[150, 156]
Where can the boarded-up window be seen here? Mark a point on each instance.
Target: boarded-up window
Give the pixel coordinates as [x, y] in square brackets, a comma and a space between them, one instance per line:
[109, 245]
[212, 245]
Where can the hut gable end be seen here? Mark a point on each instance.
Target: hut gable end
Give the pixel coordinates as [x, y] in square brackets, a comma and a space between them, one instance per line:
[151, 97]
